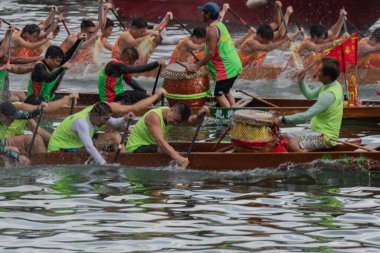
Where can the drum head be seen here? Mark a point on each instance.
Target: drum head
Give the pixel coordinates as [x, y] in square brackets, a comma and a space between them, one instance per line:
[253, 117]
[175, 71]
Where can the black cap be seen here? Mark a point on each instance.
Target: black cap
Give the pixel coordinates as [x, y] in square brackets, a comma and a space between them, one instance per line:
[8, 109]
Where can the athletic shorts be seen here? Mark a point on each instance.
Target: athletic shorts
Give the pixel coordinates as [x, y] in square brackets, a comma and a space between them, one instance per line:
[130, 97]
[224, 86]
[147, 149]
[309, 140]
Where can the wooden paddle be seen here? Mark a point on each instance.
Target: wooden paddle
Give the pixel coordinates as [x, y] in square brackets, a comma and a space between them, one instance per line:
[72, 106]
[181, 64]
[297, 59]
[66, 28]
[35, 132]
[117, 17]
[201, 118]
[353, 145]
[5, 91]
[123, 138]
[182, 25]
[156, 81]
[240, 19]
[258, 99]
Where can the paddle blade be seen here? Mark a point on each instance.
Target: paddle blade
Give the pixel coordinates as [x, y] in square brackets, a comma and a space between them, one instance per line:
[256, 3]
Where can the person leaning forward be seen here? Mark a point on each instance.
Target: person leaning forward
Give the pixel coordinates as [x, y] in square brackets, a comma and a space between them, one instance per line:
[151, 131]
[325, 115]
[77, 131]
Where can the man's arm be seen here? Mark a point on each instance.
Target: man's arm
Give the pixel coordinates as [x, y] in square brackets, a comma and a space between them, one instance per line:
[334, 31]
[119, 109]
[18, 41]
[365, 49]
[309, 94]
[40, 73]
[323, 102]
[81, 128]
[211, 44]
[25, 60]
[152, 121]
[19, 69]
[189, 45]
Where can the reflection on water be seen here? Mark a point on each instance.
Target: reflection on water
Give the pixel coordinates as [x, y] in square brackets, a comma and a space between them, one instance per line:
[95, 209]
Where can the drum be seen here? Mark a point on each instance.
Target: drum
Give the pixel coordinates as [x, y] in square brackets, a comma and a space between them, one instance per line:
[182, 86]
[252, 131]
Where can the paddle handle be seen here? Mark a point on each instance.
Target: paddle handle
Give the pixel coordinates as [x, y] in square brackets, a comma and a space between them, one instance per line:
[123, 138]
[258, 99]
[118, 18]
[72, 106]
[345, 25]
[35, 132]
[283, 21]
[201, 118]
[298, 26]
[240, 19]
[220, 139]
[353, 145]
[156, 81]
[181, 64]
[182, 25]
[65, 26]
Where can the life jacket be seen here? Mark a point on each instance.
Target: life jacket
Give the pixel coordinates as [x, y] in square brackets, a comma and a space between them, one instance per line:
[255, 58]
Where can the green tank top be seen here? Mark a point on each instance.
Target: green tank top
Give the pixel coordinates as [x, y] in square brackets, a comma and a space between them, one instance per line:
[64, 137]
[141, 135]
[226, 62]
[329, 121]
[109, 87]
[17, 127]
[45, 90]
[3, 131]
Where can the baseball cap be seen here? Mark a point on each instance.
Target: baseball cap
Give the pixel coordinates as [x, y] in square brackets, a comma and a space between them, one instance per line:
[210, 7]
[8, 109]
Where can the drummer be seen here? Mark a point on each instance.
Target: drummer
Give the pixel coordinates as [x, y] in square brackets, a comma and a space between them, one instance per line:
[110, 82]
[151, 131]
[221, 57]
[195, 42]
[325, 115]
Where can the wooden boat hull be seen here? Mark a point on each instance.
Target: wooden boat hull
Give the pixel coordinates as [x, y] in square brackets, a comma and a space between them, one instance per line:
[369, 111]
[203, 159]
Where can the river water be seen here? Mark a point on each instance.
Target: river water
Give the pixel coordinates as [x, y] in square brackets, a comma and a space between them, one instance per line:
[315, 208]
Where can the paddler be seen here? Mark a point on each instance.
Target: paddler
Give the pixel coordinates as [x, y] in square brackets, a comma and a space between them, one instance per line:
[320, 39]
[15, 132]
[325, 115]
[151, 131]
[112, 75]
[195, 42]
[8, 114]
[76, 131]
[133, 36]
[34, 102]
[90, 29]
[369, 50]
[46, 72]
[221, 57]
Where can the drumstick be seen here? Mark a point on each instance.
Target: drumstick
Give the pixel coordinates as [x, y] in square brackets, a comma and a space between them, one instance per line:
[181, 64]
[192, 53]
[259, 99]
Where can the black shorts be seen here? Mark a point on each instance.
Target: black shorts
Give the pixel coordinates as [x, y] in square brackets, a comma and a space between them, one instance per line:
[224, 86]
[130, 97]
[147, 149]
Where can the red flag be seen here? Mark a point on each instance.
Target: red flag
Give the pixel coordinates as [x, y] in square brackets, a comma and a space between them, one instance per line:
[346, 53]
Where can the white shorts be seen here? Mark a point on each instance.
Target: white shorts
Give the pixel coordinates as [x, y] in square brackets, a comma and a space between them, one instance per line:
[309, 140]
